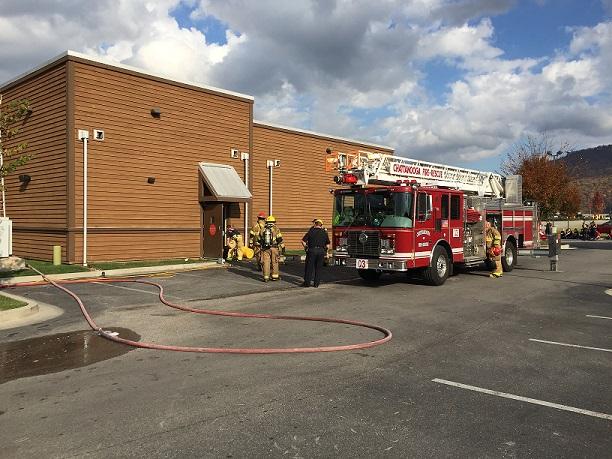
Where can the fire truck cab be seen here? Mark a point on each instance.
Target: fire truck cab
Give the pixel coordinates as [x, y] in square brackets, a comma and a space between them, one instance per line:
[397, 214]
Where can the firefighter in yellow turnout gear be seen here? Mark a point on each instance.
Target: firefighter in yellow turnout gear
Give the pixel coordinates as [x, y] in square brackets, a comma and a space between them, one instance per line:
[271, 243]
[254, 237]
[234, 244]
[494, 249]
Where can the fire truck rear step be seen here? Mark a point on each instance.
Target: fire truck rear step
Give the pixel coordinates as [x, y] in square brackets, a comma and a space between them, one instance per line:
[470, 262]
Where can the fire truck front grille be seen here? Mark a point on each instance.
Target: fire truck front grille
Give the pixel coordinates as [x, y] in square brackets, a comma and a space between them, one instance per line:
[363, 243]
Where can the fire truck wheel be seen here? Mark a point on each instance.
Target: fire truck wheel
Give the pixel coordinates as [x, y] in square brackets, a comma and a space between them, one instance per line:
[509, 258]
[369, 275]
[439, 269]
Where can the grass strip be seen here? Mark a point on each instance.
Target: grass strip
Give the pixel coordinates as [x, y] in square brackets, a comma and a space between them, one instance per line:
[7, 303]
[47, 267]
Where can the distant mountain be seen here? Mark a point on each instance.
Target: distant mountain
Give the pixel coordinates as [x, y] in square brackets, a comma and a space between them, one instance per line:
[591, 169]
[590, 162]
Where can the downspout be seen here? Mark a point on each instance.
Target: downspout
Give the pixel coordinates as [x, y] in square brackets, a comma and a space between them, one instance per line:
[270, 166]
[2, 184]
[245, 158]
[1, 166]
[84, 136]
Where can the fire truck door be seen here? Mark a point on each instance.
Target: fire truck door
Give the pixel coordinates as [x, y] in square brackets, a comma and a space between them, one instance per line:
[456, 227]
[440, 211]
[424, 229]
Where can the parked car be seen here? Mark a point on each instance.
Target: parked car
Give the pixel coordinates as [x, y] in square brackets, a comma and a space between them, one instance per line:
[605, 228]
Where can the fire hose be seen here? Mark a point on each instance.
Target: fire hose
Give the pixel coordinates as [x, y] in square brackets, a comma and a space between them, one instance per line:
[113, 336]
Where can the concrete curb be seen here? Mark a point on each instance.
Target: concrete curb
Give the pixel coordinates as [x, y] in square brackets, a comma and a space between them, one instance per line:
[293, 258]
[33, 313]
[542, 251]
[114, 272]
[31, 308]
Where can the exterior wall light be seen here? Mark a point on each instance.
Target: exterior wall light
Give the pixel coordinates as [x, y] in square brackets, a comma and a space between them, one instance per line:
[25, 179]
[156, 112]
[151, 180]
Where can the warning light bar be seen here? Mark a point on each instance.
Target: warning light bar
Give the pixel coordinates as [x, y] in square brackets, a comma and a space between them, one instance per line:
[350, 179]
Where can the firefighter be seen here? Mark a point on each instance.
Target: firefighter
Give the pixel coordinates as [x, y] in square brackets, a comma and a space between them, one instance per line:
[234, 244]
[494, 249]
[271, 243]
[254, 237]
[315, 242]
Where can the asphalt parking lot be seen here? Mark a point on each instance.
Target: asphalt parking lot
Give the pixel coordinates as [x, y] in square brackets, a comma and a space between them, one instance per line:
[479, 367]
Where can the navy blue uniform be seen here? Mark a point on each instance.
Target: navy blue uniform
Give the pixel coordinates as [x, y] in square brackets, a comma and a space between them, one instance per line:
[316, 240]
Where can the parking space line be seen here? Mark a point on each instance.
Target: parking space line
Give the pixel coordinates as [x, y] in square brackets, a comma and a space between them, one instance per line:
[188, 274]
[156, 293]
[570, 345]
[525, 399]
[599, 317]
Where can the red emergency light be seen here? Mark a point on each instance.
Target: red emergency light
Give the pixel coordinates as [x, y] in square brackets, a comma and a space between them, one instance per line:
[349, 178]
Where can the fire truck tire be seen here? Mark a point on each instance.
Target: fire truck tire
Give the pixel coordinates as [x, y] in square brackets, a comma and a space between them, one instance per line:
[369, 275]
[508, 260]
[439, 269]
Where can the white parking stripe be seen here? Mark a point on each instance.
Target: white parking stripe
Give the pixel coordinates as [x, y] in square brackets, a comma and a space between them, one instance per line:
[156, 292]
[599, 317]
[570, 345]
[525, 399]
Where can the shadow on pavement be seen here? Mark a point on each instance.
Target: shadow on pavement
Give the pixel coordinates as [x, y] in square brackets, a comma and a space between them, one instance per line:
[290, 273]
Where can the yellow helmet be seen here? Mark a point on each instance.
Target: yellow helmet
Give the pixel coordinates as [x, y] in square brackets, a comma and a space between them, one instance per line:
[317, 220]
[271, 219]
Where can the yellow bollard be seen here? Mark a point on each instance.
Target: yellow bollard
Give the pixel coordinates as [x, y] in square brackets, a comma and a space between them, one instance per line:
[57, 255]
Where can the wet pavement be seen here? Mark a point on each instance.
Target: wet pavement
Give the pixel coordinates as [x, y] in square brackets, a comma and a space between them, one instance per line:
[59, 352]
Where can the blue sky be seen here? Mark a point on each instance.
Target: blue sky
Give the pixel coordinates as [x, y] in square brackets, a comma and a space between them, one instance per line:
[453, 81]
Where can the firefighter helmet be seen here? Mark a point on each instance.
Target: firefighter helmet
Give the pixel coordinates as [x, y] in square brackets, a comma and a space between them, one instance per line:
[261, 215]
[271, 219]
[497, 250]
[318, 220]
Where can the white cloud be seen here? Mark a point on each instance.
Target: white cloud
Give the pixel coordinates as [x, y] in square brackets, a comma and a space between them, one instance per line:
[352, 68]
[459, 42]
[137, 32]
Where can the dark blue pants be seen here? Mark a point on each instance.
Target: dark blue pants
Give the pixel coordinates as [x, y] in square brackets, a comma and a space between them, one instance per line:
[314, 263]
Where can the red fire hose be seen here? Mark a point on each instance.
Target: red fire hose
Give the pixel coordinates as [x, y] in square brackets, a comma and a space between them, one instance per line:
[113, 336]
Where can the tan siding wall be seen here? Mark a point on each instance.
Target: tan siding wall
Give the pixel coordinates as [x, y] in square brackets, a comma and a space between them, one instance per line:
[38, 245]
[194, 126]
[300, 185]
[38, 210]
[163, 244]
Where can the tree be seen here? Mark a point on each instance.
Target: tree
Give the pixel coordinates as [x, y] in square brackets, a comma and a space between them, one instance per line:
[545, 180]
[12, 155]
[598, 203]
[572, 200]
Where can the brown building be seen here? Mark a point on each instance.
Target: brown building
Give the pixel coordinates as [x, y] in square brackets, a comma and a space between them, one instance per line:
[300, 185]
[166, 165]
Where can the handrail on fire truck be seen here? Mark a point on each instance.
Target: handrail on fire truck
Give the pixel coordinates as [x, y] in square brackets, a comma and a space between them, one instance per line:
[364, 167]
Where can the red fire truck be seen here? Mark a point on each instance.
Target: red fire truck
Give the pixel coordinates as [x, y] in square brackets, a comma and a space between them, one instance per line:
[398, 214]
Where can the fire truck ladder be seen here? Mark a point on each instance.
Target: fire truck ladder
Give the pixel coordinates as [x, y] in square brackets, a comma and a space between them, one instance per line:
[383, 169]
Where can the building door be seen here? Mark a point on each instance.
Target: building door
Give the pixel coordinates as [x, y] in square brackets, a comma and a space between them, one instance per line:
[212, 230]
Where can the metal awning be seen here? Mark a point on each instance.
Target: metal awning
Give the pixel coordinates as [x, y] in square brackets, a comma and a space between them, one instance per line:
[222, 183]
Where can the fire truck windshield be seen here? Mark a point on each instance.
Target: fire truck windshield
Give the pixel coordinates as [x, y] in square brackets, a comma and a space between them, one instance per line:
[381, 209]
